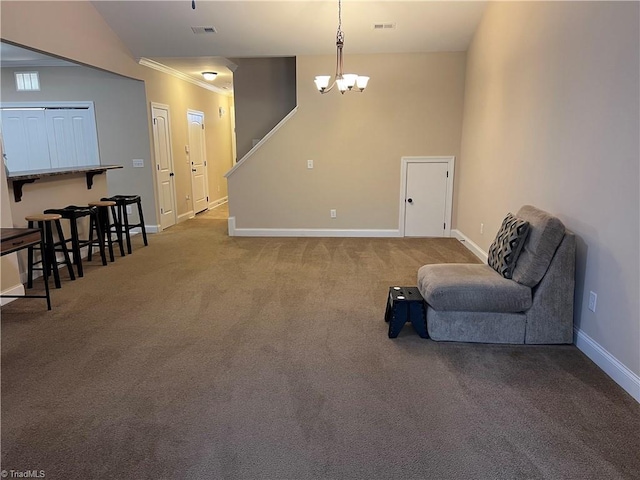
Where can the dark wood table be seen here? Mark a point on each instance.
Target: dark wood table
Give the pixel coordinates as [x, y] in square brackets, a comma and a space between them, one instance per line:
[15, 239]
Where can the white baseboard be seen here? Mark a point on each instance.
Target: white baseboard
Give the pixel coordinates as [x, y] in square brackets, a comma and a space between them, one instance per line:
[148, 228]
[231, 224]
[624, 377]
[17, 290]
[308, 232]
[186, 216]
[218, 202]
[473, 247]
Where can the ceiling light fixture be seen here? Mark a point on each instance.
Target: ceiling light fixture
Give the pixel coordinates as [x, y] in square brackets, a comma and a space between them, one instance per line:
[345, 81]
[210, 76]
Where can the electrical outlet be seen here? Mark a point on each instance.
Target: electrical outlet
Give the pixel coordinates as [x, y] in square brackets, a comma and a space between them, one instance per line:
[333, 213]
[309, 164]
[129, 211]
[188, 197]
[481, 228]
[593, 299]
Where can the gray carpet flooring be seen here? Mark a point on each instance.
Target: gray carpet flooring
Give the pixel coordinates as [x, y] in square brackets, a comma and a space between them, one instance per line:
[203, 356]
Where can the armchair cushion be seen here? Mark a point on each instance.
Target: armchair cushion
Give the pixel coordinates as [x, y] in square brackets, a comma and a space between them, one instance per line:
[546, 232]
[471, 288]
[506, 247]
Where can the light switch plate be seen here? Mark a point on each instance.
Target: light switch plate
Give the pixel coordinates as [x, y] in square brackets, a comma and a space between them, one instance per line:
[138, 163]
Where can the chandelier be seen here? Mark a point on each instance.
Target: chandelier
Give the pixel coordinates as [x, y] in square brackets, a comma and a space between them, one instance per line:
[345, 81]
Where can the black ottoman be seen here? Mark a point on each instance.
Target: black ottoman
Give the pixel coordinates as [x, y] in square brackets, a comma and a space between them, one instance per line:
[405, 304]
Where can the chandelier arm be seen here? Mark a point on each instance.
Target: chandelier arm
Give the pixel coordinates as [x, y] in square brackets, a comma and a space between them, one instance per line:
[329, 88]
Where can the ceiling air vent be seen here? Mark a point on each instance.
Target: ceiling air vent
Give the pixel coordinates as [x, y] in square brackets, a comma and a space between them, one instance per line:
[200, 30]
[384, 26]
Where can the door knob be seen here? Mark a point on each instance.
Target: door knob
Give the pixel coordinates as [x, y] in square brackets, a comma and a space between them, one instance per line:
[171, 174]
[410, 200]
[193, 170]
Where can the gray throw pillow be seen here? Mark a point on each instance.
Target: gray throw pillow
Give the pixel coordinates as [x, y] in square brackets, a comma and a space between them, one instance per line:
[507, 245]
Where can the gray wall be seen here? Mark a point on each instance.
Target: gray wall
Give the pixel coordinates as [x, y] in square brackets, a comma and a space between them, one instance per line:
[121, 120]
[264, 93]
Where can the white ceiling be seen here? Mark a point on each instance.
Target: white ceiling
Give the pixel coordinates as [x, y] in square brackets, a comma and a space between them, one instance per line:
[160, 30]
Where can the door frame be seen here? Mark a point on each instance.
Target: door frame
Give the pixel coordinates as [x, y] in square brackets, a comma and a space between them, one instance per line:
[162, 106]
[404, 162]
[204, 154]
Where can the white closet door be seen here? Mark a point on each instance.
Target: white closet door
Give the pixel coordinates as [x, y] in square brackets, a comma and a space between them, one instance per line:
[25, 140]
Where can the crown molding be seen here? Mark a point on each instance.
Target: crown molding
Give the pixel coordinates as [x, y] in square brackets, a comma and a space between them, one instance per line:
[171, 71]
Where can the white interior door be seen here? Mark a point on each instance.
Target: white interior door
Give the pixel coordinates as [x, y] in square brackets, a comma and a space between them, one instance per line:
[197, 156]
[164, 165]
[426, 199]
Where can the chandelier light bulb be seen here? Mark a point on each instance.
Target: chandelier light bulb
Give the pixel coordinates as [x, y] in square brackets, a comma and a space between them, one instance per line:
[350, 79]
[342, 84]
[361, 82]
[322, 82]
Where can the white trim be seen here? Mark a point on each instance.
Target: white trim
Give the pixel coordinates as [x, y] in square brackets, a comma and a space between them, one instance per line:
[17, 290]
[307, 232]
[75, 104]
[620, 373]
[186, 216]
[475, 249]
[231, 226]
[218, 202]
[404, 161]
[262, 142]
[146, 62]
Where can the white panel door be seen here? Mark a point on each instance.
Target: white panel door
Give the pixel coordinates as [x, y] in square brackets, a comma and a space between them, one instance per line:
[164, 165]
[425, 197]
[197, 156]
[72, 137]
[25, 140]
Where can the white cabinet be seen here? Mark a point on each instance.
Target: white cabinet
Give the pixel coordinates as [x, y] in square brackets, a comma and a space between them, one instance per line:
[25, 140]
[42, 137]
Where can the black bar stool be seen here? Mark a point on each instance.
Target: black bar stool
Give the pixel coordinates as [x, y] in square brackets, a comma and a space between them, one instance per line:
[105, 226]
[48, 259]
[123, 219]
[73, 213]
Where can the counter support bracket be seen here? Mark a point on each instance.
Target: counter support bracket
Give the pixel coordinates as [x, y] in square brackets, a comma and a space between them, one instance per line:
[90, 178]
[17, 188]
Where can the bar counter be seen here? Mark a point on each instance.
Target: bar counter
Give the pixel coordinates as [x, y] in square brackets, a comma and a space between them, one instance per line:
[29, 176]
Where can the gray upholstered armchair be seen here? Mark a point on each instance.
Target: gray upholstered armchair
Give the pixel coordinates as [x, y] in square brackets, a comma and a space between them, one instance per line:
[528, 301]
